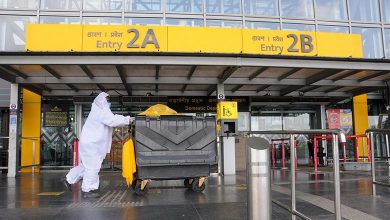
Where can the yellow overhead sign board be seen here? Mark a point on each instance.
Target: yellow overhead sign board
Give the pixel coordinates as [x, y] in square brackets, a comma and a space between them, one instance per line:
[104, 38]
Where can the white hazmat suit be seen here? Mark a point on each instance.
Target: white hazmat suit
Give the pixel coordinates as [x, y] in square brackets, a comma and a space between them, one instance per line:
[95, 143]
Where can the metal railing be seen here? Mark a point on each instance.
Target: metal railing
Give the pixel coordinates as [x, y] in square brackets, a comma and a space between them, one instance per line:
[370, 134]
[336, 134]
[4, 168]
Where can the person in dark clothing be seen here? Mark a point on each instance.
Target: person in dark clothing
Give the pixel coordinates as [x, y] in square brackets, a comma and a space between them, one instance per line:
[310, 145]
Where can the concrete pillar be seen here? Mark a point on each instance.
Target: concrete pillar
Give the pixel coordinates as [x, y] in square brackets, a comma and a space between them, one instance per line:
[13, 150]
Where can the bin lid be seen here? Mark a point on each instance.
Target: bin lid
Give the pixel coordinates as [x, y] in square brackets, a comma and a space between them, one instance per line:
[257, 143]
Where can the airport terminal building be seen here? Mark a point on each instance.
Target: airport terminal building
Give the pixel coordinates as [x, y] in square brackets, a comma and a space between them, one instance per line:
[302, 64]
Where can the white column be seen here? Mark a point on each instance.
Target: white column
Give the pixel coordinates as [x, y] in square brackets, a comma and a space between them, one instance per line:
[78, 119]
[323, 126]
[229, 155]
[13, 131]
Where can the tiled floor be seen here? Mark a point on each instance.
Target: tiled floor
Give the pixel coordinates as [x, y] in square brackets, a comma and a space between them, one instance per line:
[223, 198]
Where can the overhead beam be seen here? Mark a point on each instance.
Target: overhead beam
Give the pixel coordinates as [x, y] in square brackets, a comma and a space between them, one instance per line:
[101, 87]
[262, 88]
[33, 88]
[227, 73]
[257, 73]
[129, 59]
[184, 88]
[15, 71]
[200, 93]
[309, 88]
[193, 81]
[347, 74]
[87, 71]
[191, 72]
[51, 71]
[237, 88]
[321, 75]
[289, 89]
[72, 87]
[364, 90]
[7, 76]
[158, 71]
[333, 89]
[211, 89]
[289, 73]
[374, 75]
[123, 76]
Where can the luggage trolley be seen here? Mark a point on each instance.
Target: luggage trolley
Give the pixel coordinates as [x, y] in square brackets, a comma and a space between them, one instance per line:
[174, 147]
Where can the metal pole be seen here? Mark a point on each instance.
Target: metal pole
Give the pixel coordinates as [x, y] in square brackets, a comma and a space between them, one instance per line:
[292, 171]
[258, 179]
[273, 154]
[315, 155]
[33, 157]
[357, 148]
[371, 134]
[344, 153]
[388, 150]
[336, 167]
[283, 156]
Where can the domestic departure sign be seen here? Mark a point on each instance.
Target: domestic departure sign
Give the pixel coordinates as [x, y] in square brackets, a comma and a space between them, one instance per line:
[111, 38]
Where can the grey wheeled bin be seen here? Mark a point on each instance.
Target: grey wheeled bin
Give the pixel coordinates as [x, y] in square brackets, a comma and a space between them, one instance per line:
[174, 147]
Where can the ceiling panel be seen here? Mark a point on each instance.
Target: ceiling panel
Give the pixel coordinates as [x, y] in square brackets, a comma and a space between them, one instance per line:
[274, 72]
[103, 70]
[209, 71]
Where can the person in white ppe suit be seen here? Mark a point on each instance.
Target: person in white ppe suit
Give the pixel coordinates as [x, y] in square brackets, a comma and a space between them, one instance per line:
[95, 143]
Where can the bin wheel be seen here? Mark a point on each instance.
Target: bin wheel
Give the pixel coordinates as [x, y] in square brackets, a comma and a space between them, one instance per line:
[188, 182]
[138, 190]
[133, 184]
[195, 186]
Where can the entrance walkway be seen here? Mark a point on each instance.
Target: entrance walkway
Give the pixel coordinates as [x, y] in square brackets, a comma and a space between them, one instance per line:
[43, 196]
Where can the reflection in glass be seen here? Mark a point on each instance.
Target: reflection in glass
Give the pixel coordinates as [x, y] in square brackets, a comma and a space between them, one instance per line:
[103, 5]
[262, 25]
[298, 27]
[261, 7]
[297, 8]
[20, 4]
[12, 34]
[143, 5]
[224, 6]
[331, 9]
[143, 21]
[223, 23]
[364, 10]
[67, 5]
[386, 10]
[387, 42]
[330, 28]
[184, 22]
[102, 20]
[194, 6]
[372, 43]
[59, 20]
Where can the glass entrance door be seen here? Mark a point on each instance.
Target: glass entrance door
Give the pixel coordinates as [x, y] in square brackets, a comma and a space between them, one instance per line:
[287, 118]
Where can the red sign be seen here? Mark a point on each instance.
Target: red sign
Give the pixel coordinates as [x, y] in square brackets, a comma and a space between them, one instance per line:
[334, 118]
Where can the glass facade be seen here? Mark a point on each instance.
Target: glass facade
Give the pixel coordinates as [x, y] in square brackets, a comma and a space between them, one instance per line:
[371, 18]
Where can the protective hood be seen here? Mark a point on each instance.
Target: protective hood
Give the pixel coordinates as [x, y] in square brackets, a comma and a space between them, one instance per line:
[101, 101]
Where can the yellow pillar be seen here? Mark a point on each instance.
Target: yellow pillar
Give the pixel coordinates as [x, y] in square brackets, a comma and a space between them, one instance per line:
[360, 118]
[31, 129]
